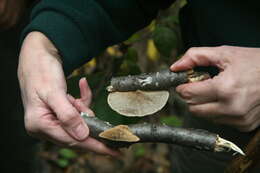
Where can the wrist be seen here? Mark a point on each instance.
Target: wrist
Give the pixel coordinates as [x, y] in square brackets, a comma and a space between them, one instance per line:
[41, 45]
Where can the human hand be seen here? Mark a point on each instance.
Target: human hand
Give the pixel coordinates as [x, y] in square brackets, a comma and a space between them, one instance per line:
[10, 12]
[233, 96]
[49, 113]
[82, 105]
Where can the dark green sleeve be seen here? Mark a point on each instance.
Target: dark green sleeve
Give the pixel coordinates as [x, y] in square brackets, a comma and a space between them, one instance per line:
[80, 29]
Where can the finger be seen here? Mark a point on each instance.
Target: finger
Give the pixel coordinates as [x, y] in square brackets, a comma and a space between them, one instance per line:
[207, 110]
[238, 123]
[68, 116]
[198, 92]
[244, 123]
[57, 135]
[96, 146]
[81, 107]
[246, 127]
[199, 56]
[71, 99]
[85, 92]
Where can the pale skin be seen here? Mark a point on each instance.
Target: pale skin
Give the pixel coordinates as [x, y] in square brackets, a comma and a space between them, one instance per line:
[233, 96]
[50, 113]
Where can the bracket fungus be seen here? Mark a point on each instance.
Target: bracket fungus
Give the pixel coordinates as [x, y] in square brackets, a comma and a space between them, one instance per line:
[145, 94]
[137, 103]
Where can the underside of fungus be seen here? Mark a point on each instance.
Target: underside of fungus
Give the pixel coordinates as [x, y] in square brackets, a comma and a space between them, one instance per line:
[137, 103]
[145, 94]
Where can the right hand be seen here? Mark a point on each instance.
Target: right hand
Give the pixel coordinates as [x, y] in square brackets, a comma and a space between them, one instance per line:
[49, 112]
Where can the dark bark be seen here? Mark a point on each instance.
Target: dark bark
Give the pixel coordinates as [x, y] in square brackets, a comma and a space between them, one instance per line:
[161, 80]
[159, 133]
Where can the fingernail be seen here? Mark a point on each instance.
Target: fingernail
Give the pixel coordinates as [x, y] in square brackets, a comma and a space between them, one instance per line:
[81, 131]
[83, 78]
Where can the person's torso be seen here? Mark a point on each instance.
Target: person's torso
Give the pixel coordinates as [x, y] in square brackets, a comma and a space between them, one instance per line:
[221, 22]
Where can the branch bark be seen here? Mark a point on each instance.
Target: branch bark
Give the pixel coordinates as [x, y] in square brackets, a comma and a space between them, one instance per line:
[162, 80]
[124, 136]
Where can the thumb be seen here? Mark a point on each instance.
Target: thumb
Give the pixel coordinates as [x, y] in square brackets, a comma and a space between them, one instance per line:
[199, 56]
[68, 116]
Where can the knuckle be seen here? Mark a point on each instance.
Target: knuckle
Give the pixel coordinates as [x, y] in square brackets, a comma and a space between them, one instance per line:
[196, 111]
[246, 125]
[229, 90]
[49, 94]
[246, 121]
[190, 51]
[186, 93]
[238, 110]
[31, 128]
[224, 47]
[69, 119]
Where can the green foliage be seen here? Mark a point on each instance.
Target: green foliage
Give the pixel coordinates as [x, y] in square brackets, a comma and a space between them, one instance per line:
[171, 120]
[67, 153]
[63, 163]
[129, 65]
[171, 21]
[139, 151]
[131, 55]
[165, 40]
[134, 38]
[65, 156]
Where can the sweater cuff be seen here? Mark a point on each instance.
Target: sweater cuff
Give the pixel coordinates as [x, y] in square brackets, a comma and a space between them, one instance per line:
[64, 34]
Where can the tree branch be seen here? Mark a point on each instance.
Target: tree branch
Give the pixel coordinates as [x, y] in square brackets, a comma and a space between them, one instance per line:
[124, 136]
[162, 80]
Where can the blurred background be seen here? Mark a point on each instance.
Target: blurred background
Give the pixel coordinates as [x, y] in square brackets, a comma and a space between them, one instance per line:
[151, 49]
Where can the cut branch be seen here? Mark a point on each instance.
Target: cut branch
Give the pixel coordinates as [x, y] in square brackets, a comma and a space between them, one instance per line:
[162, 80]
[124, 136]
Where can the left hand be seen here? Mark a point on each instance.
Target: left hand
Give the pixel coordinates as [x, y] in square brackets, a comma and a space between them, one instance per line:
[233, 96]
